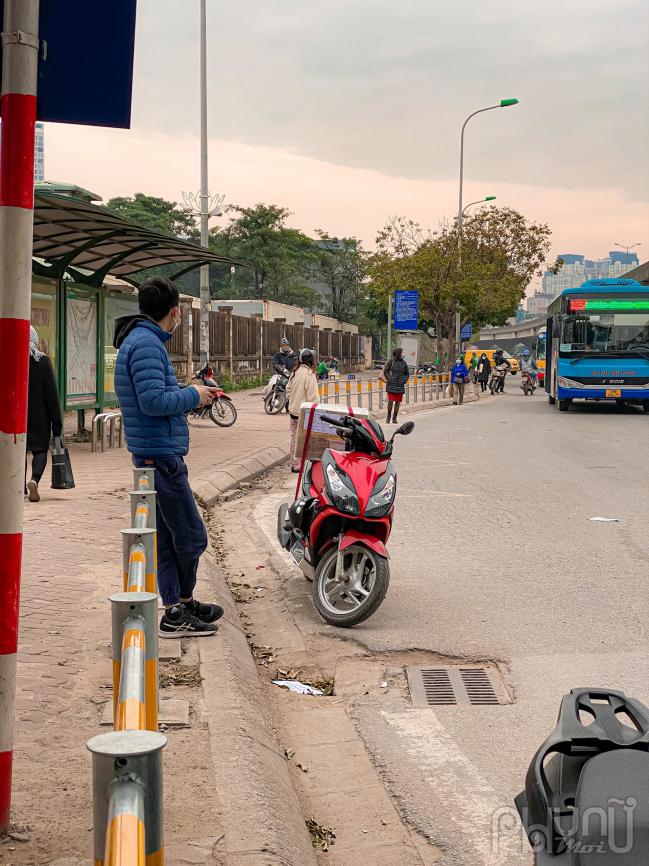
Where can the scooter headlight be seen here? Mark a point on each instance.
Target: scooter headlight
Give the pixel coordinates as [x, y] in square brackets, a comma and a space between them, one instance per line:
[382, 497]
[342, 493]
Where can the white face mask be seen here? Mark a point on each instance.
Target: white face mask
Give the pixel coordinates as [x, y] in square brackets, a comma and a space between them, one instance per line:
[177, 322]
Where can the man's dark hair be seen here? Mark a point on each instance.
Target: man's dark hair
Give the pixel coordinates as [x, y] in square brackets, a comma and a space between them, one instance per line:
[157, 297]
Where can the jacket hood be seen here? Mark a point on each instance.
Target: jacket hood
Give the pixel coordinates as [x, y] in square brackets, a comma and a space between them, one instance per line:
[125, 324]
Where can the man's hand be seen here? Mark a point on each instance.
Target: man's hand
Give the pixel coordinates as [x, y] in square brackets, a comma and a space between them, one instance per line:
[206, 394]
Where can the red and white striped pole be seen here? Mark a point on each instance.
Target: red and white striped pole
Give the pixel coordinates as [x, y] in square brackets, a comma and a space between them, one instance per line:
[18, 107]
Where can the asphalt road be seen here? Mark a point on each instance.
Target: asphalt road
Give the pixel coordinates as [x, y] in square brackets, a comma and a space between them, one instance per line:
[494, 558]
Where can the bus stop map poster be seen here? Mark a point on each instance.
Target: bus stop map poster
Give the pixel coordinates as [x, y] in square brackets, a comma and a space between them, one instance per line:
[81, 344]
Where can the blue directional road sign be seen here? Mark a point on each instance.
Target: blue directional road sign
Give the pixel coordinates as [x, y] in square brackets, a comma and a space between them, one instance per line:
[85, 65]
[467, 331]
[406, 310]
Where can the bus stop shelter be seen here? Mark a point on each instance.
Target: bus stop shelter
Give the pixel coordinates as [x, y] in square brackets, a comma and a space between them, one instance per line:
[79, 250]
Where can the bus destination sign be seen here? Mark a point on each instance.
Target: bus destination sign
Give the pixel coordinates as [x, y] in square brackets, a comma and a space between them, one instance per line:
[614, 305]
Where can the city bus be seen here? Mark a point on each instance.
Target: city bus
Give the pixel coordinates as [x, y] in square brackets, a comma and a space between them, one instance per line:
[539, 353]
[598, 344]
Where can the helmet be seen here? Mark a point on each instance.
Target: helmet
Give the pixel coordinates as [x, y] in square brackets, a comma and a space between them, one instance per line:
[284, 342]
[307, 356]
[526, 353]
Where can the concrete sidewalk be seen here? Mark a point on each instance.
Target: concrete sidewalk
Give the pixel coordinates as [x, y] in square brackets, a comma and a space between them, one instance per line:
[72, 562]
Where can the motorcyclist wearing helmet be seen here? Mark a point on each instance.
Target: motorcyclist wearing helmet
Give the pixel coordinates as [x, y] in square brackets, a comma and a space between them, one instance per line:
[529, 366]
[502, 364]
[302, 388]
[285, 358]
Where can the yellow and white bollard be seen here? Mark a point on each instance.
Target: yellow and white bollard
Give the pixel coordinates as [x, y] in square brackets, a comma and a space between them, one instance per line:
[135, 660]
[128, 798]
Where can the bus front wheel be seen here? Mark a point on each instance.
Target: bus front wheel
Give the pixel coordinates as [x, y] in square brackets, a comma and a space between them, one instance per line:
[564, 405]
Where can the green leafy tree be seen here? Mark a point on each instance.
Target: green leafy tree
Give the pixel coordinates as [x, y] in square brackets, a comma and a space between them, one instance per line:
[156, 214]
[501, 252]
[278, 259]
[340, 265]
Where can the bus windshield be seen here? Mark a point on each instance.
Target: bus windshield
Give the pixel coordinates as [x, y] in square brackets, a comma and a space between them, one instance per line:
[605, 333]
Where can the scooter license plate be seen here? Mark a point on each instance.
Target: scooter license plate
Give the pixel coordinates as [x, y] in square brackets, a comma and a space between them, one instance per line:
[613, 393]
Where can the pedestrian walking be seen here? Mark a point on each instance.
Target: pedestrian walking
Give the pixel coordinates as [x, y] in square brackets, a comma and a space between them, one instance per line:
[395, 375]
[459, 377]
[153, 408]
[473, 372]
[302, 388]
[483, 371]
[44, 418]
[322, 371]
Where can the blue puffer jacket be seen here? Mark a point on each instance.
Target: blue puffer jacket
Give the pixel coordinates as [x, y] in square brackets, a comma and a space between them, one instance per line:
[153, 404]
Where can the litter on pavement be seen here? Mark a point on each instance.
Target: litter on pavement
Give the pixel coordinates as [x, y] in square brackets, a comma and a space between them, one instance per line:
[605, 519]
[298, 687]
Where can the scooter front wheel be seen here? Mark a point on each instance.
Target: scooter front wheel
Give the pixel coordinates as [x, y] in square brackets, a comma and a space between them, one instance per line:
[355, 594]
[223, 412]
[274, 403]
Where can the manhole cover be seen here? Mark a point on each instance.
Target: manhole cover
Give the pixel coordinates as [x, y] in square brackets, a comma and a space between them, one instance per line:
[448, 685]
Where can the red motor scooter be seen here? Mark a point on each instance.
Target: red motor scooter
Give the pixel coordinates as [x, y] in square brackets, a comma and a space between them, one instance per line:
[221, 410]
[338, 526]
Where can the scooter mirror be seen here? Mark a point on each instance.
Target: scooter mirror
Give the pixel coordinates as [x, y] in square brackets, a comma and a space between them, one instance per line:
[406, 429]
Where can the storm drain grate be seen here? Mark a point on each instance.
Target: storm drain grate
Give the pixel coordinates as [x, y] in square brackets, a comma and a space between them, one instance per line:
[449, 685]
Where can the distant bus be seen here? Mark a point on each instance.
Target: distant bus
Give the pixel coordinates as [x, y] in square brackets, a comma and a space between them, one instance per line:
[598, 344]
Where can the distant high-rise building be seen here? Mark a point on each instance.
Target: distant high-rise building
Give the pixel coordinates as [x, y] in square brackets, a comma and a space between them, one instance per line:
[39, 152]
[577, 269]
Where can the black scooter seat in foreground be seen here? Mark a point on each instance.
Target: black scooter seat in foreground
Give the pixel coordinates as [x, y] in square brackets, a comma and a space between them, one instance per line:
[586, 798]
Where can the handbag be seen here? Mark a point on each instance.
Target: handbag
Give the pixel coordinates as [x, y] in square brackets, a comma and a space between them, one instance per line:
[62, 477]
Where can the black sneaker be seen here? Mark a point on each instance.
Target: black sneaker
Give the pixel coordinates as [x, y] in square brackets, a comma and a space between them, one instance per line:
[205, 612]
[179, 622]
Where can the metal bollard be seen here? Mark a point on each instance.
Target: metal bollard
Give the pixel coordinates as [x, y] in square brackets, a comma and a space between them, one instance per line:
[348, 393]
[380, 393]
[416, 386]
[127, 798]
[370, 395]
[135, 660]
[360, 392]
[136, 574]
[144, 479]
[408, 391]
[337, 390]
[146, 538]
[326, 392]
[140, 498]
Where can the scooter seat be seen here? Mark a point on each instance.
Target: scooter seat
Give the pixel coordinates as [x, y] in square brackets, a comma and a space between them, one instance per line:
[612, 810]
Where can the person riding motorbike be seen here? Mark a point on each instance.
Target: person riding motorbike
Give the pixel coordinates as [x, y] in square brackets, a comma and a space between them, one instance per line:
[529, 366]
[285, 358]
[502, 364]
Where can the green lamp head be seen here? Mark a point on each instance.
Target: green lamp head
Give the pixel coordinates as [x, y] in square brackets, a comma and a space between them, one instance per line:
[505, 102]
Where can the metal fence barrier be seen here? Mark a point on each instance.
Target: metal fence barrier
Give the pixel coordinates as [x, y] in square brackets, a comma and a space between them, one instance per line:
[106, 426]
[367, 392]
[127, 763]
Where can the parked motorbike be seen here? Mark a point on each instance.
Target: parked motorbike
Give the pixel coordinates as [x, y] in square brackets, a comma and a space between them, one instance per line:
[586, 797]
[528, 384]
[275, 398]
[497, 380]
[337, 528]
[426, 369]
[221, 410]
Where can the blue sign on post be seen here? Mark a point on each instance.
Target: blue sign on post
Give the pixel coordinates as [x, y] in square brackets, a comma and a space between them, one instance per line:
[467, 331]
[406, 310]
[85, 63]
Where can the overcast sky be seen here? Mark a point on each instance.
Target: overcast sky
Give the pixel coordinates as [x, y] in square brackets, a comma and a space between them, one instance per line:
[350, 111]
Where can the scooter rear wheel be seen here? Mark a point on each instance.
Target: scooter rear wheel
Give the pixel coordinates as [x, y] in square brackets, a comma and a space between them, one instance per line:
[366, 577]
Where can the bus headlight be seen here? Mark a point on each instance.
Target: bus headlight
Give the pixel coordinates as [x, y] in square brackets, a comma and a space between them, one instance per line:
[568, 383]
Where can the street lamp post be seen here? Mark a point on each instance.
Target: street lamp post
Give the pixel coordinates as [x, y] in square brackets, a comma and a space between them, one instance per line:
[504, 103]
[480, 201]
[628, 247]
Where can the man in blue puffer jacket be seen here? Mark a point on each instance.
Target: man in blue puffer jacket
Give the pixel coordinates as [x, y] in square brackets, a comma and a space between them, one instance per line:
[153, 407]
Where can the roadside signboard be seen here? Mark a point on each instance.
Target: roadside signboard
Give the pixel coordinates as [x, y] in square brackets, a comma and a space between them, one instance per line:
[467, 331]
[85, 64]
[351, 376]
[406, 310]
